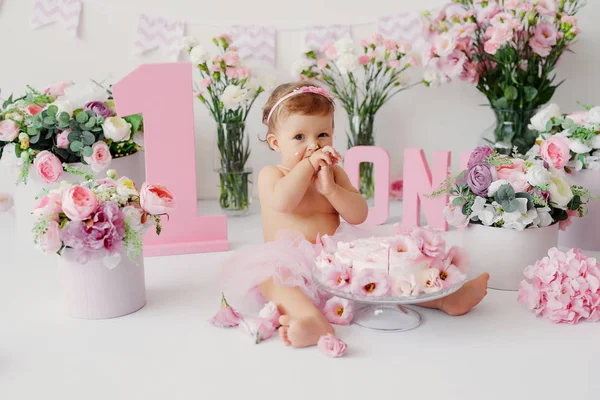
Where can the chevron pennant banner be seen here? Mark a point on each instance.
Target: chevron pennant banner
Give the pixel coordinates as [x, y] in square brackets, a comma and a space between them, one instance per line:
[65, 12]
[255, 41]
[318, 35]
[159, 33]
[407, 27]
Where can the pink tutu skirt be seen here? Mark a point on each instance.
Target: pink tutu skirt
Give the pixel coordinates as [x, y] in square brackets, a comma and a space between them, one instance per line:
[288, 260]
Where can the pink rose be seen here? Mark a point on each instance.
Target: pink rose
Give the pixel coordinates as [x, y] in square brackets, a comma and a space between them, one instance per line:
[9, 130]
[156, 199]
[338, 311]
[231, 58]
[48, 167]
[226, 317]
[555, 151]
[429, 242]
[259, 328]
[62, 139]
[364, 60]
[57, 89]
[100, 158]
[270, 313]
[79, 203]
[331, 346]
[49, 206]
[50, 242]
[371, 282]
[518, 181]
[33, 109]
[505, 171]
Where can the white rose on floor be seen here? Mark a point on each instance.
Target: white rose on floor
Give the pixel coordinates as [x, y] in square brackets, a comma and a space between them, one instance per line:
[133, 217]
[347, 63]
[344, 46]
[199, 55]
[116, 129]
[537, 175]
[578, 147]
[593, 116]
[560, 190]
[539, 120]
[233, 97]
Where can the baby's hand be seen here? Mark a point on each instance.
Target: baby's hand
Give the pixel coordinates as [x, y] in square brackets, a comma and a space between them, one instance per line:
[324, 181]
[324, 157]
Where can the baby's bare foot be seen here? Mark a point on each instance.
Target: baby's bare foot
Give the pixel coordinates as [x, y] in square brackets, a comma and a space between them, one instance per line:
[303, 332]
[466, 297]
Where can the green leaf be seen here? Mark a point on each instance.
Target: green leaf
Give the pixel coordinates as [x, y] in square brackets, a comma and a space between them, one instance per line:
[91, 123]
[76, 146]
[88, 138]
[87, 151]
[511, 93]
[64, 117]
[549, 126]
[34, 139]
[500, 103]
[574, 203]
[567, 123]
[82, 118]
[52, 110]
[74, 136]
[459, 201]
[49, 121]
[530, 93]
[49, 134]
[135, 121]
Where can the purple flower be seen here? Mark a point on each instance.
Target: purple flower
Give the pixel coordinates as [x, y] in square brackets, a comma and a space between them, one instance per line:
[479, 156]
[480, 177]
[101, 235]
[98, 108]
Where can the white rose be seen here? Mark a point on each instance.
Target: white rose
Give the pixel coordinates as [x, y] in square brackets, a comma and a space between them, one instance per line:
[199, 55]
[117, 129]
[593, 116]
[347, 63]
[537, 175]
[344, 46]
[233, 97]
[454, 215]
[560, 190]
[79, 95]
[578, 147]
[63, 105]
[444, 44]
[493, 188]
[539, 120]
[9, 156]
[595, 142]
[133, 217]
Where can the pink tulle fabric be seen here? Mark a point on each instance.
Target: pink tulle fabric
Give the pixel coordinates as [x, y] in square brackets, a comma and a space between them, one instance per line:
[288, 260]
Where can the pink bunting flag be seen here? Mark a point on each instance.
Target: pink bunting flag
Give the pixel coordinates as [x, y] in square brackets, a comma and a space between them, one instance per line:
[255, 41]
[65, 12]
[158, 33]
[318, 35]
[406, 26]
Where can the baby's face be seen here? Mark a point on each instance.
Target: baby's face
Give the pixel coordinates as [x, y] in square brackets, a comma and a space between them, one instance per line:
[299, 136]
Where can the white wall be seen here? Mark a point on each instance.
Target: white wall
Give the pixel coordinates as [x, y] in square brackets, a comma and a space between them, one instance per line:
[445, 118]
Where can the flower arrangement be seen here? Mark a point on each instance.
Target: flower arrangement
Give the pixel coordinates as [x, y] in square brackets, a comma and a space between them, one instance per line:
[228, 90]
[508, 49]
[381, 63]
[564, 287]
[513, 192]
[575, 137]
[99, 219]
[408, 264]
[66, 123]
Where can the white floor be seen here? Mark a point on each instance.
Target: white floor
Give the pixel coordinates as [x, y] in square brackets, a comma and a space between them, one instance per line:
[168, 350]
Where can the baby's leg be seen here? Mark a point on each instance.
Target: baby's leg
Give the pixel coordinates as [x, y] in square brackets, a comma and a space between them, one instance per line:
[302, 322]
[463, 300]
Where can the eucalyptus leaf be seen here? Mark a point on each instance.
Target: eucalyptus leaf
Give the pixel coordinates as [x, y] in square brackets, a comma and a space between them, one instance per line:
[87, 151]
[511, 93]
[510, 205]
[48, 135]
[34, 139]
[88, 138]
[90, 124]
[74, 136]
[76, 146]
[501, 103]
[568, 123]
[64, 117]
[82, 118]
[530, 93]
[52, 110]
[459, 201]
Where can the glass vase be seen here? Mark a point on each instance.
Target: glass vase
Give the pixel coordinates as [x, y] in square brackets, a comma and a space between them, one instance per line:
[235, 179]
[510, 130]
[362, 134]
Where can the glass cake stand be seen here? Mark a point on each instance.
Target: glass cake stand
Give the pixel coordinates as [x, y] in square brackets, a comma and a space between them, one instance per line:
[385, 314]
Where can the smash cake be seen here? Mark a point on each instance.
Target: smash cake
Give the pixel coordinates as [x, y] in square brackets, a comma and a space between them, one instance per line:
[411, 262]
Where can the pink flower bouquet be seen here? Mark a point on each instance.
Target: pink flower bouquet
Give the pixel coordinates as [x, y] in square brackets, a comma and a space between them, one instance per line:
[99, 219]
[413, 262]
[563, 287]
[508, 49]
[66, 123]
[514, 192]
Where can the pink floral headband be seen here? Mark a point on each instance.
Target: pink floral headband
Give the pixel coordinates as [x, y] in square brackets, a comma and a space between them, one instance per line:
[304, 89]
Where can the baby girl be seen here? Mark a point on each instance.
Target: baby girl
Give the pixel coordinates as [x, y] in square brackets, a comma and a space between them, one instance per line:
[302, 198]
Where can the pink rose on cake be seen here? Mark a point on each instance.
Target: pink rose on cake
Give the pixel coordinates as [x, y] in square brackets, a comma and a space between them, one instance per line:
[371, 283]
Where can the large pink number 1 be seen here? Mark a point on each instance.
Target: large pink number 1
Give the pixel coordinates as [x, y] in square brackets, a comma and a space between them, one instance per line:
[163, 94]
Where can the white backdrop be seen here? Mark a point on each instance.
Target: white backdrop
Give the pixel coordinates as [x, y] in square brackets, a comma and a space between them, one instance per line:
[433, 119]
